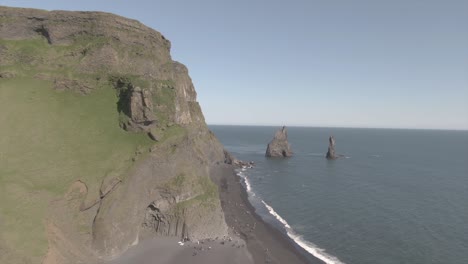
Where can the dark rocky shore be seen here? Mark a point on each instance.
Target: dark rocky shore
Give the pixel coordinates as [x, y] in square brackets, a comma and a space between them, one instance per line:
[265, 243]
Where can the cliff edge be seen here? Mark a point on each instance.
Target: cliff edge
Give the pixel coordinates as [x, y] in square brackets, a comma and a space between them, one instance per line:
[106, 143]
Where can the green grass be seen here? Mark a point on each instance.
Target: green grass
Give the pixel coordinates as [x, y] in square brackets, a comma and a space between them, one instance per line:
[48, 140]
[123, 81]
[164, 100]
[37, 56]
[206, 189]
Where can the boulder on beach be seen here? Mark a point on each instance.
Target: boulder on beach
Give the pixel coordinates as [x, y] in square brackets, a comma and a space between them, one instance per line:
[331, 155]
[279, 146]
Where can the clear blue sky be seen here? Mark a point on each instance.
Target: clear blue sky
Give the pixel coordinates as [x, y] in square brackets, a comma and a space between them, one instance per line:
[360, 63]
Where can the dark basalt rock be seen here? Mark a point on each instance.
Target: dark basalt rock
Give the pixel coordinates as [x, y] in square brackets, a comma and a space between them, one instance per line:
[279, 146]
[138, 106]
[331, 155]
[231, 160]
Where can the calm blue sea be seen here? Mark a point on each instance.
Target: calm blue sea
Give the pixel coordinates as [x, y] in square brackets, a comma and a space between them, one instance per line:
[399, 196]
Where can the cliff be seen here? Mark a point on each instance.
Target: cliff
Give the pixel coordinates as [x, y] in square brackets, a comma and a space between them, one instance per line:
[104, 143]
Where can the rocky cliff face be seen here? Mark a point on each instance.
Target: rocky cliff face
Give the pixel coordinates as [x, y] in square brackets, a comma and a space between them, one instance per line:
[279, 146]
[167, 191]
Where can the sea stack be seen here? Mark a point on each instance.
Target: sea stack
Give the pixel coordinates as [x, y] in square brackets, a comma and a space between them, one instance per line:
[279, 146]
[331, 149]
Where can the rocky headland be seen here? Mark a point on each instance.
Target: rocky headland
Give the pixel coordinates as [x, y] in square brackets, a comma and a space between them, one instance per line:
[107, 145]
[165, 190]
[279, 145]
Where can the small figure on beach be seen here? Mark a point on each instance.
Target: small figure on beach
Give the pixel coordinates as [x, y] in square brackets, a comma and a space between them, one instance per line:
[279, 146]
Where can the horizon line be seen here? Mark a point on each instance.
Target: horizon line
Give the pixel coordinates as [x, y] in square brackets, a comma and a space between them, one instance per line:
[318, 126]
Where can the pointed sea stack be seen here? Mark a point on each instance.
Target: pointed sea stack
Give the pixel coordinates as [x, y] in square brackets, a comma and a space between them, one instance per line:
[279, 146]
[331, 149]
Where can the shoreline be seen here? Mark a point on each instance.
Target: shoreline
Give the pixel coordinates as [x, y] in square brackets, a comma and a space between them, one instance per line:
[265, 243]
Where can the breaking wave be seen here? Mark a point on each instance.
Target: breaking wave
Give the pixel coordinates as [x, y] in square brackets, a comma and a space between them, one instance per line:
[277, 216]
[306, 245]
[248, 187]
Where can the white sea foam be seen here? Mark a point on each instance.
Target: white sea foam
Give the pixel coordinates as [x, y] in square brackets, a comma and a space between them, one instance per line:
[247, 184]
[277, 216]
[248, 187]
[306, 245]
[314, 250]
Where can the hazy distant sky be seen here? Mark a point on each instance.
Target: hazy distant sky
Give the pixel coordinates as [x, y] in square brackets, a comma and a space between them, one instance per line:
[351, 63]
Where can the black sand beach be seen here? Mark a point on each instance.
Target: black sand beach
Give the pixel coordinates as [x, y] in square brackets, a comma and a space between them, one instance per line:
[265, 243]
[251, 240]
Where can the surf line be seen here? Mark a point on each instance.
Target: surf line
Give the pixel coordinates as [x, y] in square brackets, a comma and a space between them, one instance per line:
[306, 245]
[248, 186]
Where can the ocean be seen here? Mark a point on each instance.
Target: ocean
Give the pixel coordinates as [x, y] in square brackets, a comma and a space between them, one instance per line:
[398, 196]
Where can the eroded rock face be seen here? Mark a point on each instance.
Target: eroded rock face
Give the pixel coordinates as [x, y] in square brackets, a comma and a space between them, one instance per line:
[7, 74]
[331, 149]
[105, 47]
[279, 146]
[138, 105]
[165, 224]
[166, 193]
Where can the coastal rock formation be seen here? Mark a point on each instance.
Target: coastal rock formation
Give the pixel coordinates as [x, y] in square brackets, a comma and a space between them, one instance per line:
[231, 160]
[94, 71]
[331, 149]
[279, 146]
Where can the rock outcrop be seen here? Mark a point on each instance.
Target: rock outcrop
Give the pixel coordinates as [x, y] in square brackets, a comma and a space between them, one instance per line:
[231, 160]
[279, 146]
[168, 190]
[101, 48]
[139, 109]
[167, 194]
[331, 155]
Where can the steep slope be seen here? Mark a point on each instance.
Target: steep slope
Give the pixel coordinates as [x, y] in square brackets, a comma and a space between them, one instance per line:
[102, 141]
